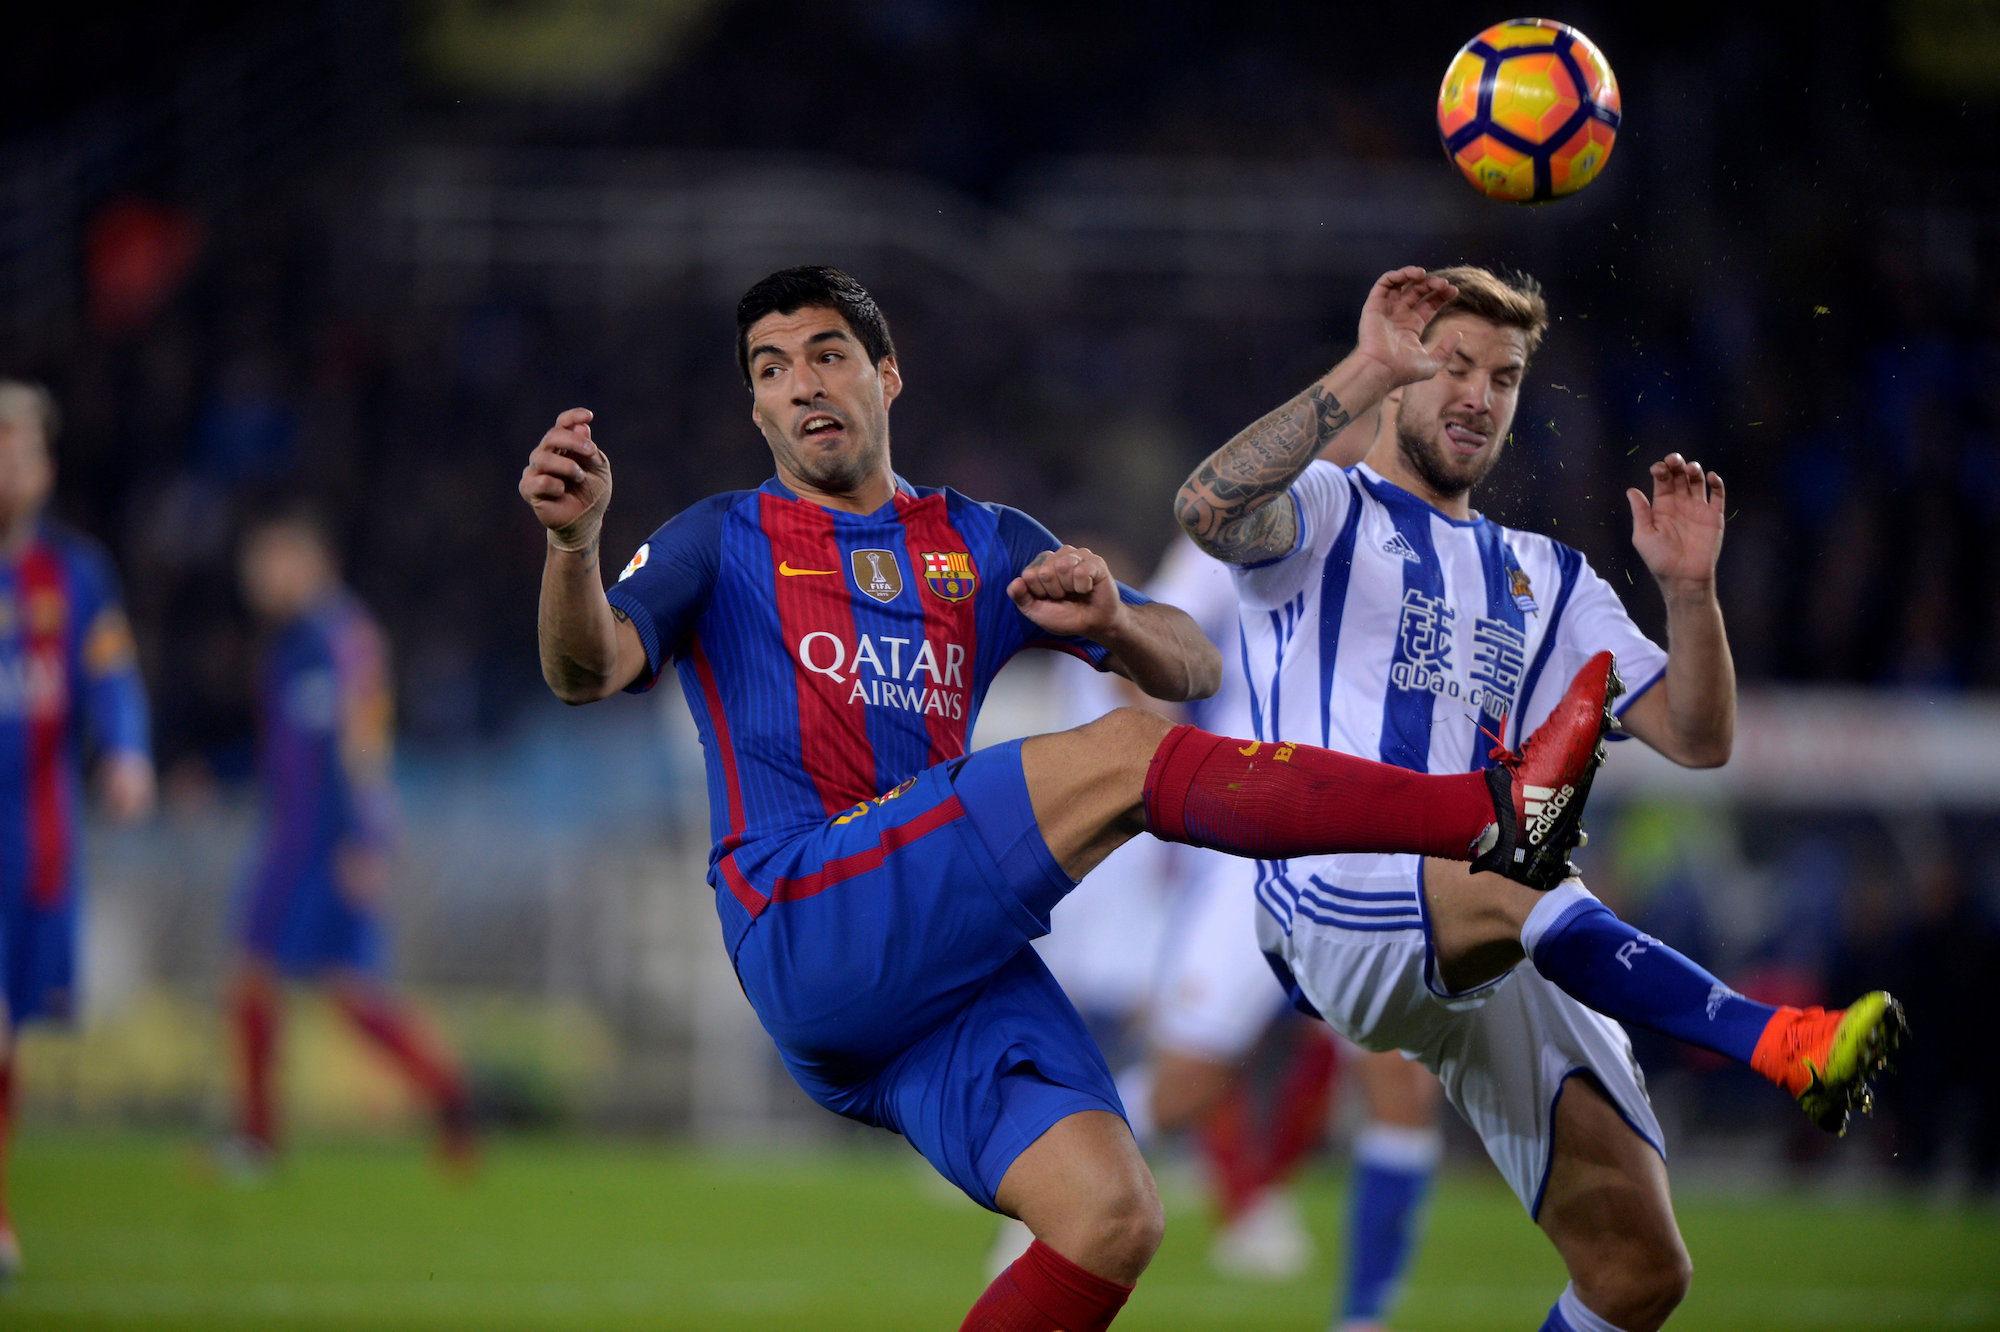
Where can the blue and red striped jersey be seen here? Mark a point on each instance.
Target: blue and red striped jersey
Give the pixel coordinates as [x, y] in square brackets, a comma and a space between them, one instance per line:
[69, 684]
[827, 656]
[325, 722]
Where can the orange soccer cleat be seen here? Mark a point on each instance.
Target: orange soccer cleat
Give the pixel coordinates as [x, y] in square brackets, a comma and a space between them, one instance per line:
[1827, 1061]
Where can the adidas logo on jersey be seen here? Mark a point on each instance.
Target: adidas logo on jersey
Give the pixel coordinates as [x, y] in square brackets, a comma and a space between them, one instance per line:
[1543, 806]
[1400, 545]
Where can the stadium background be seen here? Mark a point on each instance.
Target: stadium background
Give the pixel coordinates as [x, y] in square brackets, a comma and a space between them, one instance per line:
[365, 251]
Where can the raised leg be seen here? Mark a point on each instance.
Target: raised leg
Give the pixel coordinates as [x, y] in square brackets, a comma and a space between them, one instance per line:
[1132, 771]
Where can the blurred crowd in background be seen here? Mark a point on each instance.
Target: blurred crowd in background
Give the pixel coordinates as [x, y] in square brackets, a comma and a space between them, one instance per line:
[362, 253]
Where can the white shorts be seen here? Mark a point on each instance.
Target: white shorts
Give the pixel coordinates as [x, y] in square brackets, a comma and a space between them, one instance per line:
[1503, 1052]
[1216, 993]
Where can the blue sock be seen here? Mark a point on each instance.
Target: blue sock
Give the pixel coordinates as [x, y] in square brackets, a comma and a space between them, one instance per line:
[1600, 961]
[1571, 1314]
[1393, 1166]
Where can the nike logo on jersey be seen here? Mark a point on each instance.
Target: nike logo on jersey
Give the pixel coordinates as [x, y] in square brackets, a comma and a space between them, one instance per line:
[788, 571]
[1400, 545]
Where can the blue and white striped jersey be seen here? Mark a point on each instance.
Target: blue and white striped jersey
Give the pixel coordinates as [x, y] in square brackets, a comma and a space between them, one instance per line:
[1395, 633]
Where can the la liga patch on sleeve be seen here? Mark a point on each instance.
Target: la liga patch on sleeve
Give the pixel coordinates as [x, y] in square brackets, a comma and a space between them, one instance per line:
[638, 561]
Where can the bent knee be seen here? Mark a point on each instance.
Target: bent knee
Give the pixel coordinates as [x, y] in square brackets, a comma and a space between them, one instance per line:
[1129, 730]
[1640, 1286]
[1127, 1223]
[1134, 1231]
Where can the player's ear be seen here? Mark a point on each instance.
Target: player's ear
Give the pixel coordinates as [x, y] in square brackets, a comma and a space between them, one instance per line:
[892, 378]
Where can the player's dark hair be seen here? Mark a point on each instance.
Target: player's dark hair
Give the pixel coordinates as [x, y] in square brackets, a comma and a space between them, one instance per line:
[21, 395]
[300, 517]
[1511, 300]
[813, 285]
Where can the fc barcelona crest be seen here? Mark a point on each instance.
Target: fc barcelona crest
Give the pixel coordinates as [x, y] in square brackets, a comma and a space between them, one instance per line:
[877, 574]
[949, 574]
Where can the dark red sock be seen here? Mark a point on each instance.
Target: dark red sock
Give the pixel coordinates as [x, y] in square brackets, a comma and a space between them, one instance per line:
[1273, 802]
[421, 1059]
[256, 1014]
[1238, 1158]
[1046, 1292]
[6, 1124]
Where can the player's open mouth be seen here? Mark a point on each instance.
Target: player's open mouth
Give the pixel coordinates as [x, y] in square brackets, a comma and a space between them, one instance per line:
[819, 426]
[1465, 438]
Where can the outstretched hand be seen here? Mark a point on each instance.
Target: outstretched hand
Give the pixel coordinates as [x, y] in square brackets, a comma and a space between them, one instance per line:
[567, 481]
[1393, 319]
[1068, 591]
[1679, 531]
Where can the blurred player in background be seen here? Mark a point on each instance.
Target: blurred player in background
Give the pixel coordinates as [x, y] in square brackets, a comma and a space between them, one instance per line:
[1381, 615]
[835, 632]
[1216, 998]
[69, 687]
[312, 905]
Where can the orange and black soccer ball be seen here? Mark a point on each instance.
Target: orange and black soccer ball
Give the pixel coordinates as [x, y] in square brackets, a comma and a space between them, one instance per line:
[1528, 111]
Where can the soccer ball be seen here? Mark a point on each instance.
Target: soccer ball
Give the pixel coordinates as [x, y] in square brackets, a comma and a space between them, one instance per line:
[1528, 111]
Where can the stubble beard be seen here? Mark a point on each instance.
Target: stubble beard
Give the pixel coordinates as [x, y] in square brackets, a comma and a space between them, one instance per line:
[1426, 457]
[840, 473]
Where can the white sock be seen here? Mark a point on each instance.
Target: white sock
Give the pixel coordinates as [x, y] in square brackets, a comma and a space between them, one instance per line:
[1549, 910]
[1579, 1317]
[1397, 1147]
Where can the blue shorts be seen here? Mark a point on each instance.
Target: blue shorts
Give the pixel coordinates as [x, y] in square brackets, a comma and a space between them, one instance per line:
[303, 925]
[893, 969]
[38, 959]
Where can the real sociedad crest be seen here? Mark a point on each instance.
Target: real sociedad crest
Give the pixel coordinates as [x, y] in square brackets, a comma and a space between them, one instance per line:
[1523, 590]
[950, 574]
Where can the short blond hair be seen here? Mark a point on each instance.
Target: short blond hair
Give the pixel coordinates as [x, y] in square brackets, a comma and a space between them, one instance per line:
[1511, 300]
[19, 398]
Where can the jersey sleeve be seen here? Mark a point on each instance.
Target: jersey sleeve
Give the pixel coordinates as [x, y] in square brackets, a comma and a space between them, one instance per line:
[664, 587]
[1022, 538]
[116, 717]
[1594, 620]
[1321, 499]
[367, 732]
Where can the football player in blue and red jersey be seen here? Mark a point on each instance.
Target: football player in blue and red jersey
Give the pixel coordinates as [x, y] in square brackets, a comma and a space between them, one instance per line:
[69, 688]
[835, 631]
[311, 904]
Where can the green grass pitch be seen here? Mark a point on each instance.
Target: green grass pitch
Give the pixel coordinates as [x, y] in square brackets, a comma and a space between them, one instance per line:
[124, 1231]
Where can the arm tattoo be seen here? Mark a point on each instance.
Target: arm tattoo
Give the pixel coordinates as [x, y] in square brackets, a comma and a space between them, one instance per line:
[620, 616]
[1226, 505]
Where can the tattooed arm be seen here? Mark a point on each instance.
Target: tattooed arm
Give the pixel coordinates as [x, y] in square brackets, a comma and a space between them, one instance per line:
[1226, 505]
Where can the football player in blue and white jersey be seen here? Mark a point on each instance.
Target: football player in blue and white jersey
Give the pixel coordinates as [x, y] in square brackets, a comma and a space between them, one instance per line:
[1383, 616]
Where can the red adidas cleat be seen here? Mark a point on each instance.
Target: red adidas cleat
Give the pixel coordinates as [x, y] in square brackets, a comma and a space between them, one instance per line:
[1540, 789]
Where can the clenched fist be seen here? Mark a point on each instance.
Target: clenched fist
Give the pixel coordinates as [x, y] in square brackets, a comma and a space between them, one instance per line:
[567, 481]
